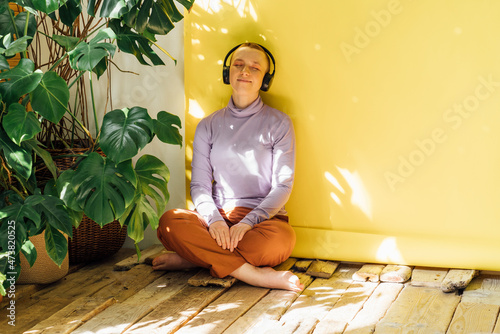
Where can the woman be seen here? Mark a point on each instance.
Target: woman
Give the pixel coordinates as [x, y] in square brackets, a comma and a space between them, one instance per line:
[242, 176]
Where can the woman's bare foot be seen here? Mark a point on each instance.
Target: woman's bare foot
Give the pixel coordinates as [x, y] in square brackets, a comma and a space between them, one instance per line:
[267, 277]
[171, 261]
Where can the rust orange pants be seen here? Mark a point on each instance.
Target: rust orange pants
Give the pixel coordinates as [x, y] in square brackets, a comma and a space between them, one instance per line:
[185, 232]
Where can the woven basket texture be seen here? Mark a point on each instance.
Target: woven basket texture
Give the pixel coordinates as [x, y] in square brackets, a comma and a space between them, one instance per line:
[44, 270]
[90, 242]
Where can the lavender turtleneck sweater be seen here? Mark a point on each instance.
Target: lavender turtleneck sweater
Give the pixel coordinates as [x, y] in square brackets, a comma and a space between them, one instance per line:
[243, 157]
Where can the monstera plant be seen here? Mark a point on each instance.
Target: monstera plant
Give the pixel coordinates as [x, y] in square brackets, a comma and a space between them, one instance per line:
[34, 101]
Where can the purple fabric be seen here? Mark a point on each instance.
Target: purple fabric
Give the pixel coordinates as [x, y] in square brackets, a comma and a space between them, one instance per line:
[243, 158]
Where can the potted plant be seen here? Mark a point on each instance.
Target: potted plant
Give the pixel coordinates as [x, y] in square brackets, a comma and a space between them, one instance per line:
[105, 187]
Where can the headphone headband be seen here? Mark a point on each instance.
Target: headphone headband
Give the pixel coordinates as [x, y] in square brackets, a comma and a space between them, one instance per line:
[268, 77]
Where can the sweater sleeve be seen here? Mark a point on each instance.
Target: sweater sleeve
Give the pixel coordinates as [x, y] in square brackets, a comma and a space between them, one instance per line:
[283, 169]
[202, 177]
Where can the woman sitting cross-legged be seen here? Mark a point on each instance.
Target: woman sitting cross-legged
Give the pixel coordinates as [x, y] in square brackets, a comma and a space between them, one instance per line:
[242, 175]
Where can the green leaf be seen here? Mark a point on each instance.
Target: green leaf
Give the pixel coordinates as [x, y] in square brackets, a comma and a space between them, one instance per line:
[4, 64]
[113, 8]
[70, 11]
[167, 128]
[103, 34]
[172, 10]
[86, 56]
[56, 245]
[153, 175]
[137, 216]
[67, 42]
[51, 97]
[101, 67]
[26, 4]
[3, 279]
[35, 146]
[130, 42]
[143, 16]
[48, 6]
[53, 211]
[152, 179]
[16, 157]
[124, 132]
[21, 80]
[154, 17]
[159, 22]
[4, 5]
[91, 8]
[19, 124]
[29, 252]
[12, 228]
[6, 26]
[129, 19]
[104, 189]
[22, 212]
[19, 45]
[64, 190]
[186, 3]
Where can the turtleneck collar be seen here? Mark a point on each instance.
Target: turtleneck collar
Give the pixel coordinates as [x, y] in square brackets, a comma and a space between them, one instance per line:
[248, 111]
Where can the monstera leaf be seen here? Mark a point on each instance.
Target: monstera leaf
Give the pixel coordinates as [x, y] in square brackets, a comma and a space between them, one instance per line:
[47, 6]
[29, 217]
[131, 42]
[167, 128]
[70, 11]
[53, 212]
[56, 245]
[20, 80]
[19, 124]
[6, 26]
[152, 179]
[51, 97]
[125, 132]
[111, 8]
[104, 189]
[16, 157]
[14, 47]
[86, 56]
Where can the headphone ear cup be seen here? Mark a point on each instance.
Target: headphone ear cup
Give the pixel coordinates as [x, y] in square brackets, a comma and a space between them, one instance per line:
[266, 82]
[225, 74]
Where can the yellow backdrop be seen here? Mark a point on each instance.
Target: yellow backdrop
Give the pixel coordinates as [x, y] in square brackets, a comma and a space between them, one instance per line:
[396, 111]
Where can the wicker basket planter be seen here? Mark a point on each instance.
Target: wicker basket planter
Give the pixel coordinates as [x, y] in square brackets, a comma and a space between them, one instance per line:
[90, 242]
[44, 270]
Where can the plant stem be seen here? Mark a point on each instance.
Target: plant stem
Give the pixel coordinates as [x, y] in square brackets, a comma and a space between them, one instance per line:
[13, 22]
[93, 104]
[74, 81]
[58, 62]
[164, 51]
[26, 23]
[17, 190]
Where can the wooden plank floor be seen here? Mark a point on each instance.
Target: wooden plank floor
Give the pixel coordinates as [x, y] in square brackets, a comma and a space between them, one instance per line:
[95, 298]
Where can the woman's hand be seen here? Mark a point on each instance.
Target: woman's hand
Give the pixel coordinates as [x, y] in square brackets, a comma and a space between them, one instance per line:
[236, 233]
[220, 232]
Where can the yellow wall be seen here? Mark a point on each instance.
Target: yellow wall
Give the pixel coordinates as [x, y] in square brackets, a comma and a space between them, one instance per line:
[396, 110]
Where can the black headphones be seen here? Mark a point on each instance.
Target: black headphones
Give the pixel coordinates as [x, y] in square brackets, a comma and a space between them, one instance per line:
[268, 77]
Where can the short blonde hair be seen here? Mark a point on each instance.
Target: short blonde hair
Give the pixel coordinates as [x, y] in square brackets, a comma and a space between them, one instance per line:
[256, 47]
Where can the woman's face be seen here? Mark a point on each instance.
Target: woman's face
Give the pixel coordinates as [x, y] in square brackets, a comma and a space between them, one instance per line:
[248, 67]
